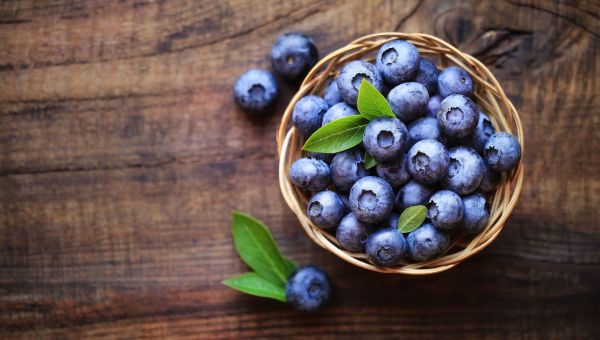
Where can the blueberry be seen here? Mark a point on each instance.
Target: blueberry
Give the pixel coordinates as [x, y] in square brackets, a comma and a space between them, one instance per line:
[426, 242]
[391, 221]
[398, 61]
[424, 128]
[332, 94]
[457, 116]
[413, 193]
[325, 157]
[428, 161]
[384, 138]
[433, 105]
[455, 80]
[502, 152]
[483, 131]
[408, 101]
[490, 179]
[293, 55]
[386, 247]
[476, 213]
[346, 201]
[325, 209]
[310, 174]
[352, 233]
[308, 113]
[337, 111]
[371, 199]
[256, 90]
[445, 209]
[348, 167]
[428, 75]
[308, 289]
[465, 171]
[351, 76]
[394, 172]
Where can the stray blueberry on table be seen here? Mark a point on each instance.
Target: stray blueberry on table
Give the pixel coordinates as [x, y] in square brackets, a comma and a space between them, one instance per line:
[433, 105]
[476, 213]
[394, 172]
[428, 161]
[310, 174]
[386, 247]
[293, 55]
[332, 94]
[308, 113]
[398, 61]
[351, 76]
[445, 209]
[428, 75]
[502, 152]
[256, 91]
[371, 199]
[465, 171]
[408, 101]
[347, 167]
[413, 193]
[308, 289]
[337, 111]
[455, 80]
[483, 131]
[426, 242]
[325, 209]
[457, 116]
[424, 128]
[352, 233]
[384, 138]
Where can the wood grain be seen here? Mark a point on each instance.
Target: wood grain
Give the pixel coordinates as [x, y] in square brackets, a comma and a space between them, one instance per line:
[122, 155]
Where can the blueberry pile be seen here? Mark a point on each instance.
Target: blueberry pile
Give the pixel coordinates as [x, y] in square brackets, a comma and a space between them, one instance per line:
[440, 151]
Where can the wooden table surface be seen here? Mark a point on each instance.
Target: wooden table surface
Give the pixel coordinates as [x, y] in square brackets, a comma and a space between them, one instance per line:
[122, 155]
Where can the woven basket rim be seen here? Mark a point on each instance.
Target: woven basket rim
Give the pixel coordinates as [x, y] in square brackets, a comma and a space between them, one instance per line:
[489, 94]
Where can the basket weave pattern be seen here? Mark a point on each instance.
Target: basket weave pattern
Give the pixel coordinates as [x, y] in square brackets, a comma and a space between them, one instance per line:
[488, 94]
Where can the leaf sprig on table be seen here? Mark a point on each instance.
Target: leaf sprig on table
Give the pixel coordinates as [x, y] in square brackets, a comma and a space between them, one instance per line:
[345, 133]
[255, 245]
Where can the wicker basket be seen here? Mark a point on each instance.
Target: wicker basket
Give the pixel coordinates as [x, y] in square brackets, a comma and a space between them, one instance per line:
[488, 94]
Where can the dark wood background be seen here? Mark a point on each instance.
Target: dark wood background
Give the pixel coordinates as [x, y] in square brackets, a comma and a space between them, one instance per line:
[122, 155]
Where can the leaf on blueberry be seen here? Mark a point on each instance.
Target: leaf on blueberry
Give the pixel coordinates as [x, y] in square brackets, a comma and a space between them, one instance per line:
[369, 161]
[255, 245]
[411, 218]
[340, 135]
[253, 284]
[372, 104]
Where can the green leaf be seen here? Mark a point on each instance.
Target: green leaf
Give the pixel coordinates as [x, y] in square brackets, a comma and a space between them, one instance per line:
[254, 243]
[253, 284]
[339, 135]
[411, 218]
[290, 265]
[369, 161]
[371, 103]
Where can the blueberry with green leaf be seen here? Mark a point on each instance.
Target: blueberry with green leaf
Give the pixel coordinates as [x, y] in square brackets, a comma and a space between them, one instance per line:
[274, 276]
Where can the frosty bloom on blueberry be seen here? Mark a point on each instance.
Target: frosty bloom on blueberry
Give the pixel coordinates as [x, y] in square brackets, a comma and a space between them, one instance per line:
[352, 233]
[371, 199]
[351, 76]
[332, 94]
[476, 213]
[394, 172]
[483, 131]
[465, 171]
[424, 128]
[310, 174]
[384, 138]
[293, 55]
[308, 114]
[337, 111]
[408, 101]
[426, 242]
[348, 167]
[445, 209]
[413, 193]
[256, 90]
[428, 75]
[502, 152]
[325, 209]
[428, 161]
[457, 116]
[455, 80]
[386, 247]
[398, 61]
